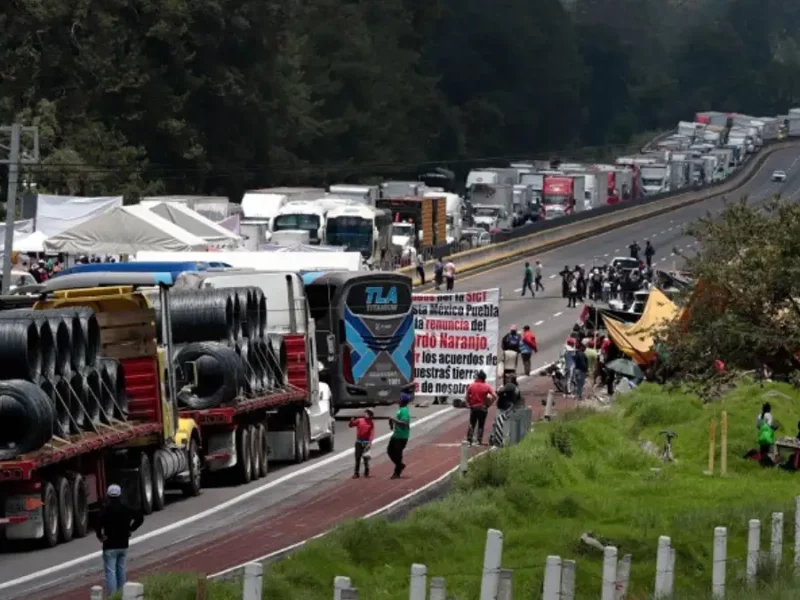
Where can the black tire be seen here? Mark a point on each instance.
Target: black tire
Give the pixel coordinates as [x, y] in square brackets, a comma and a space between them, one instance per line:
[145, 484]
[194, 486]
[159, 485]
[49, 515]
[263, 450]
[255, 451]
[80, 505]
[243, 467]
[328, 444]
[306, 436]
[66, 514]
[298, 438]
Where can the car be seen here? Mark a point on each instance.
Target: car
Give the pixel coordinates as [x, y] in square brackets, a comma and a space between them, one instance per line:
[625, 263]
[779, 176]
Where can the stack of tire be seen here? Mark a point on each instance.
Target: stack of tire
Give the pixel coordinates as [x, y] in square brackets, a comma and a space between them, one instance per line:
[53, 383]
[222, 349]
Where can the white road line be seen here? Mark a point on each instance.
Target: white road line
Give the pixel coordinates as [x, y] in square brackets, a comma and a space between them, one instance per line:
[616, 249]
[663, 259]
[552, 276]
[538, 323]
[518, 290]
[605, 255]
[65, 566]
[558, 314]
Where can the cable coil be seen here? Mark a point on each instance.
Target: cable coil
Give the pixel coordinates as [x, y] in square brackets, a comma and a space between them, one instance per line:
[220, 375]
[26, 418]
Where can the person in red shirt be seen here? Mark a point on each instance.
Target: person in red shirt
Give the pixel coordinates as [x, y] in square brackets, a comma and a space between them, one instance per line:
[365, 433]
[480, 396]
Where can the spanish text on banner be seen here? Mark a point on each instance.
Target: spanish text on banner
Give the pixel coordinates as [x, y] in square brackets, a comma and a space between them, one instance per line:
[456, 336]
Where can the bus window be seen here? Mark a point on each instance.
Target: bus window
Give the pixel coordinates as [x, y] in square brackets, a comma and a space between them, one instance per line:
[320, 300]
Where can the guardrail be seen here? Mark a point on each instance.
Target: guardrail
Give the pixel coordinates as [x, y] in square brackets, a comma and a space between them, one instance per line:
[546, 235]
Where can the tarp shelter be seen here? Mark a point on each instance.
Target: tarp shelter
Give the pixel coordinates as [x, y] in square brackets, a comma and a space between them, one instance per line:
[298, 248]
[636, 340]
[266, 261]
[195, 223]
[33, 242]
[56, 214]
[125, 230]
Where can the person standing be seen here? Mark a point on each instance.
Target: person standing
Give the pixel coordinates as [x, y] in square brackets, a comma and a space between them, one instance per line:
[508, 398]
[581, 371]
[480, 396]
[566, 276]
[421, 269]
[401, 431]
[438, 273]
[527, 280]
[649, 252]
[573, 293]
[537, 272]
[527, 348]
[634, 248]
[365, 433]
[450, 275]
[115, 523]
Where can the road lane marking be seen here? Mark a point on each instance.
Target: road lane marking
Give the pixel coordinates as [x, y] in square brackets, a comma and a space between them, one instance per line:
[558, 314]
[552, 276]
[538, 323]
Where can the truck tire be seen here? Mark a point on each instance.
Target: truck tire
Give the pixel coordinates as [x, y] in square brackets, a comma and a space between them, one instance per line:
[255, 451]
[49, 515]
[263, 450]
[66, 513]
[327, 444]
[243, 462]
[193, 487]
[298, 438]
[159, 485]
[306, 436]
[145, 484]
[80, 505]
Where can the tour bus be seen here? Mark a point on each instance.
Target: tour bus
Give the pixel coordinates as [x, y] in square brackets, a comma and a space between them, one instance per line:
[365, 335]
[363, 229]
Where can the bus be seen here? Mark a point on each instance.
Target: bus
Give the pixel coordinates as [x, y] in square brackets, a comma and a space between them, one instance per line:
[365, 335]
[362, 229]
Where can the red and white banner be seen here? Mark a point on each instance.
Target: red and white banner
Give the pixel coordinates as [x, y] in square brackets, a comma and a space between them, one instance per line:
[456, 335]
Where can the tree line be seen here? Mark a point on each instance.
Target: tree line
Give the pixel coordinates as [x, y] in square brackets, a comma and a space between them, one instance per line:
[217, 96]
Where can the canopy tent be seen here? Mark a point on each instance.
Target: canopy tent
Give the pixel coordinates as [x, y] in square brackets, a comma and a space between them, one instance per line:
[636, 340]
[265, 261]
[33, 242]
[298, 248]
[125, 230]
[56, 214]
[193, 222]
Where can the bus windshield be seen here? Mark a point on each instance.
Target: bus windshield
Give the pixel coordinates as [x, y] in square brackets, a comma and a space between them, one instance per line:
[354, 233]
[309, 223]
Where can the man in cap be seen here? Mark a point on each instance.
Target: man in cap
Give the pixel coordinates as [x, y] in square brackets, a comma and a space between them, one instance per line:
[401, 431]
[115, 524]
[480, 396]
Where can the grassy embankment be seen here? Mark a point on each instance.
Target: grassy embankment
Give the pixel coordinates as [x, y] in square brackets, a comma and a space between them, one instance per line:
[585, 473]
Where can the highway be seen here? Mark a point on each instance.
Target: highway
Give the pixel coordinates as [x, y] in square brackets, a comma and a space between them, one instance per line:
[219, 509]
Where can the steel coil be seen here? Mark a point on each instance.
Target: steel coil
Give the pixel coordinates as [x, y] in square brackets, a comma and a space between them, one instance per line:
[57, 389]
[220, 375]
[253, 379]
[112, 378]
[91, 334]
[95, 387]
[62, 345]
[198, 315]
[261, 307]
[26, 418]
[239, 310]
[20, 353]
[84, 411]
[278, 358]
[62, 322]
[260, 356]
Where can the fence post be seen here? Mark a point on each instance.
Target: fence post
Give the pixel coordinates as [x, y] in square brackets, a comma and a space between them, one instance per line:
[568, 580]
[463, 462]
[350, 594]
[723, 444]
[253, 581]
[797, 532]
[201, 591]
[776, 547]
[133, 591]
[720, 562]
[438, 589]
[609, 573]
[753, 549]
[549, 410]
[492, 559]
[662, 566]
[504, 587]
[552, 578]
[340, 583]
[671, 572]
[418, 586]
[623, 577]
[97, 593]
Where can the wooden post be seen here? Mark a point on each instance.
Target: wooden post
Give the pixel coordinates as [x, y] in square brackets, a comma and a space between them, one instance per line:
[202, 589]
[712, 446]
[723, 444]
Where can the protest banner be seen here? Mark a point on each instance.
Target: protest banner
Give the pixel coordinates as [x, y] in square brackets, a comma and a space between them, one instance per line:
[456, 335]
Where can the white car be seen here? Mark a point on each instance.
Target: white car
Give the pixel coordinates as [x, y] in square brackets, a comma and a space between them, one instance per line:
[779, 176]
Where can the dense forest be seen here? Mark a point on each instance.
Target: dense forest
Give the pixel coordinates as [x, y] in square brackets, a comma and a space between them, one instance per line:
[217, 96]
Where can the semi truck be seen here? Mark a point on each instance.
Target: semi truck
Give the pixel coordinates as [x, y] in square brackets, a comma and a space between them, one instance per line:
[420, 222]
[562, 195]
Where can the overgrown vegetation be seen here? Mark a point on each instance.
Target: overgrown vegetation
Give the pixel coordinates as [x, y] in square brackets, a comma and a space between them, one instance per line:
[215, 96]
[544, 498]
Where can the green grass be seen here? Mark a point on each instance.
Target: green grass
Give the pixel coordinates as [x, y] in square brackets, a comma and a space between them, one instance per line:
[584, 473]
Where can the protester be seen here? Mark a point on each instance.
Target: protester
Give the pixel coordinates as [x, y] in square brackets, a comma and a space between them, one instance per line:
[538, 276]
[581, 371]
[527, 280]
[401, 432]
[573, 293]
[438, 273]
[508, 398]
[450, 275]
[512, 340]
[480, 396]
[649, 252]
[365, 433]
[421, 268]
[635, 249]
[566, 276]
[115, 523]
[527, 348]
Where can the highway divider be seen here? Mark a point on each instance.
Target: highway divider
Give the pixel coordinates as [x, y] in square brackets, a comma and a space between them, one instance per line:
[553, 234]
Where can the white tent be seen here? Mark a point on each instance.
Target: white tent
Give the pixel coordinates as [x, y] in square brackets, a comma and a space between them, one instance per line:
[265, 261]
[125, 230]
[33, 242]
[55, 214]
[193, 222]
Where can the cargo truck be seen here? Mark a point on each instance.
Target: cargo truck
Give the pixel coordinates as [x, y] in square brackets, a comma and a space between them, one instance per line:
[492, 205]
[562, 195]
[419, 222]
[656, 178]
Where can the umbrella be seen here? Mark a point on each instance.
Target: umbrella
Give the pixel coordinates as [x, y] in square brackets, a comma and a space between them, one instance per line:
[625, 367]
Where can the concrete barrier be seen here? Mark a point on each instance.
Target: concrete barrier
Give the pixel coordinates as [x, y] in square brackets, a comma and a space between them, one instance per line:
[479, 259]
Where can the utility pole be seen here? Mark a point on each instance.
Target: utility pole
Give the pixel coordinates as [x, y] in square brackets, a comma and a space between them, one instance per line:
[16, 157]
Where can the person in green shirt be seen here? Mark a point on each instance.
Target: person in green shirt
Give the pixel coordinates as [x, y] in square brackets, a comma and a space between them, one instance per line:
[527, 280]
[401, 431]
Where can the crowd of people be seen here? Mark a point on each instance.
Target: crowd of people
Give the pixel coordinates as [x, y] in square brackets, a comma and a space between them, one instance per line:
[43, 267]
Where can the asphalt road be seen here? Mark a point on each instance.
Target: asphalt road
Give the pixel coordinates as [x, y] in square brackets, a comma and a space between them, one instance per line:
[548, 316]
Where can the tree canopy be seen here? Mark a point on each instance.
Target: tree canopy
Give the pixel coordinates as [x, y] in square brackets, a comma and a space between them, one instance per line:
[216, 96]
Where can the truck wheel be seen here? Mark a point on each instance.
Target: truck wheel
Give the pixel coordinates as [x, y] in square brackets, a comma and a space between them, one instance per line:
[145, 484]
[263, 451]
[66, 514]
[243, 463]
[255, 452]
[159, 493]
[306, 436]
[49, 515]
[80, 505]
[298, 438]
[193, 487]
[327, 444]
